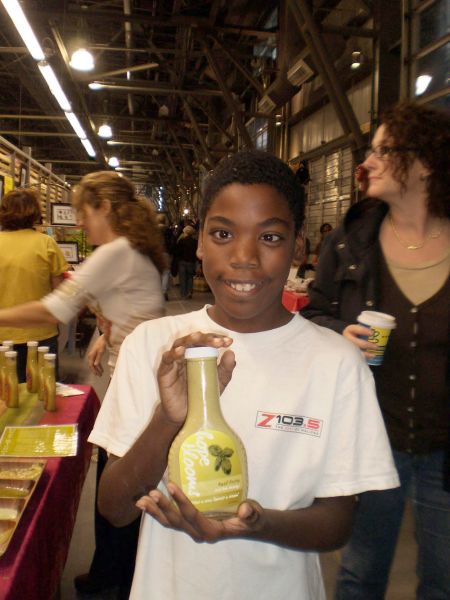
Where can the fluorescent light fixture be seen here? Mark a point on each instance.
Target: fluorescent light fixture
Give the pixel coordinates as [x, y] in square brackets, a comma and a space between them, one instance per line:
[422, 83]
[95, 85]
[49, 75]
[105, 131]
[82, 60]
[113, 161]
[88, 147]
[73, 120]
[20, 21]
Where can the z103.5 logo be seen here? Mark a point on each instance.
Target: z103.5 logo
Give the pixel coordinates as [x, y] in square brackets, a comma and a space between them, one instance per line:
[292, 423]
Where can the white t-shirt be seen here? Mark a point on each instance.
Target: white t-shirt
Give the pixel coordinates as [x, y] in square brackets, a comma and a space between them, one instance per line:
[298, 370]
[120, 285]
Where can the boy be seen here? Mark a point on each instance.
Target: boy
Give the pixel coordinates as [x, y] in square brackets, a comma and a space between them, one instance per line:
[302, 480]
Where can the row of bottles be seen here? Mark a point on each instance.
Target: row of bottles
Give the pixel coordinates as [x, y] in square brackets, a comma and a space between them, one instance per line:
[40, 374]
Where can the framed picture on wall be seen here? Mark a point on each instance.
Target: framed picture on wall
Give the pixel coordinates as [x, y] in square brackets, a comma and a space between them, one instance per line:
[70, 251]
[63, 214]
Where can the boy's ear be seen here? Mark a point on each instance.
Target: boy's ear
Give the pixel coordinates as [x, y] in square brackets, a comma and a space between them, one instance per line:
[200, 246]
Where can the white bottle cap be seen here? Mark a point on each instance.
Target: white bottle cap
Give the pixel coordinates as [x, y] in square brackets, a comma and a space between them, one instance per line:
[4, 348]
[50, 356]
[44, 349]
[8, 343]
[11, 354]
[32, 344]
[201, 352]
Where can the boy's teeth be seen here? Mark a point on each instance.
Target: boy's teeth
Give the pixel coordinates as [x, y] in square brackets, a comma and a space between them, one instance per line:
[243, 287]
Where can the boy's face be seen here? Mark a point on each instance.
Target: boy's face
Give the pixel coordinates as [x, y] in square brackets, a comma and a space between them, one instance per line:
[246, 245]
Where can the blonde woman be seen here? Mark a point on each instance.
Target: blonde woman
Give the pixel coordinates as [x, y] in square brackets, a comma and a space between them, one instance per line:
[121, 284]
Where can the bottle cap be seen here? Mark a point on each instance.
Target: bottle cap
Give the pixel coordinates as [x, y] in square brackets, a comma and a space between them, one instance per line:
[4, 348]
[11, 354]
[32, 344]
[201, 352]
[44, 349]
[8, 343]
[49, 356]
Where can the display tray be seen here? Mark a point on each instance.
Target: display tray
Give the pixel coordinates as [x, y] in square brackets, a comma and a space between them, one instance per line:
[18, 480]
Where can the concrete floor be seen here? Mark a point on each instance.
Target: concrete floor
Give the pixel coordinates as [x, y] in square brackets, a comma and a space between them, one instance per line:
[74, 369]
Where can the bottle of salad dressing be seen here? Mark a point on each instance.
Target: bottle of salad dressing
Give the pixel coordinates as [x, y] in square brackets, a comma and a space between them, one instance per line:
[207, 459]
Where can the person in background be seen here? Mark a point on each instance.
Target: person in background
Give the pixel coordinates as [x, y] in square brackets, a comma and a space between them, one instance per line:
[31, 266]
[325, 229]
[392, 254]
[186, 249]
[302, 479]
[168, 241]
[121, 284]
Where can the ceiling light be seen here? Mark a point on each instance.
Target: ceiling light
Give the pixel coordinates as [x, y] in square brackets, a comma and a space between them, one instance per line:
[105, 131]
[82, 60]
[163, 111]
[95, 85]
[422, 83]
[89, 147]
[76, 125]
[356, 59]
[113, 161]
[49, 75]
[20, 21]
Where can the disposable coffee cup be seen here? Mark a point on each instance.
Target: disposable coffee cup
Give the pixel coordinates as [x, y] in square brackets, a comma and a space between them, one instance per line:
[381, 325]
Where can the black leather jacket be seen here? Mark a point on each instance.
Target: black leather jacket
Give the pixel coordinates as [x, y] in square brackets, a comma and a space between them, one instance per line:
[347, 276]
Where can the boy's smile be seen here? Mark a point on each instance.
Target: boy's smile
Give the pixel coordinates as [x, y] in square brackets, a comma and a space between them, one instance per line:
[246, 245]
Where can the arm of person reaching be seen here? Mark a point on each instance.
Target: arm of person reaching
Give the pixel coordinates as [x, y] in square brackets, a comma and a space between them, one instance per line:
[140, 470]
[28, 314]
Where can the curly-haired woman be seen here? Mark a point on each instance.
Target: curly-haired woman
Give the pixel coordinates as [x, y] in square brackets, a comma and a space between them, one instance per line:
[392, 254]
[31, 265]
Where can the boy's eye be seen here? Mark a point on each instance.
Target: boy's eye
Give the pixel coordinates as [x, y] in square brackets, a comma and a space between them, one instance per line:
[221, 234]
[272, 237]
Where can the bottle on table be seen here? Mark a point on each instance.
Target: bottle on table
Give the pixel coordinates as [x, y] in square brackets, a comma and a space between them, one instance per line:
[11, 384]
[32, 367]
[3, 349]
[41, 351]
[207, 460]
[49, 382]
[8, 343]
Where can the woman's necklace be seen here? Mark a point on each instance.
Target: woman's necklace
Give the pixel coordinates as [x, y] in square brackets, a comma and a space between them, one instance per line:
[431, 236]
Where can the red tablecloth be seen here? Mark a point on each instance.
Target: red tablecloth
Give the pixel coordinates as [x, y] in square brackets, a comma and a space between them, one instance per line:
[294, 301]
[32, 566]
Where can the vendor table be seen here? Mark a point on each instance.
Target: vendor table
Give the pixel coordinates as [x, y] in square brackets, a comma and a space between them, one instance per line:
[294, 301]
[32, 566]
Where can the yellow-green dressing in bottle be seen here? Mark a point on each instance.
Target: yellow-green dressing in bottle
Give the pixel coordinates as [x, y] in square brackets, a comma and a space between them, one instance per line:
[207, 459]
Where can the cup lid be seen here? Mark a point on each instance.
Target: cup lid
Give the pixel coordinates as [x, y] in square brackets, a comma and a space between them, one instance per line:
[379, 319]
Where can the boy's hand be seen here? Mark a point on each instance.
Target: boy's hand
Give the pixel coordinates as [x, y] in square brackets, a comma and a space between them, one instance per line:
[172, 372]
[248, 520]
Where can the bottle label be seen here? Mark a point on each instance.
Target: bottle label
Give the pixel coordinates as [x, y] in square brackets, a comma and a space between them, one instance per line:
[210, 470]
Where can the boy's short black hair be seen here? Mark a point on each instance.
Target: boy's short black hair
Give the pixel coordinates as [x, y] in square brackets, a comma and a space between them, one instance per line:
[255, 167]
